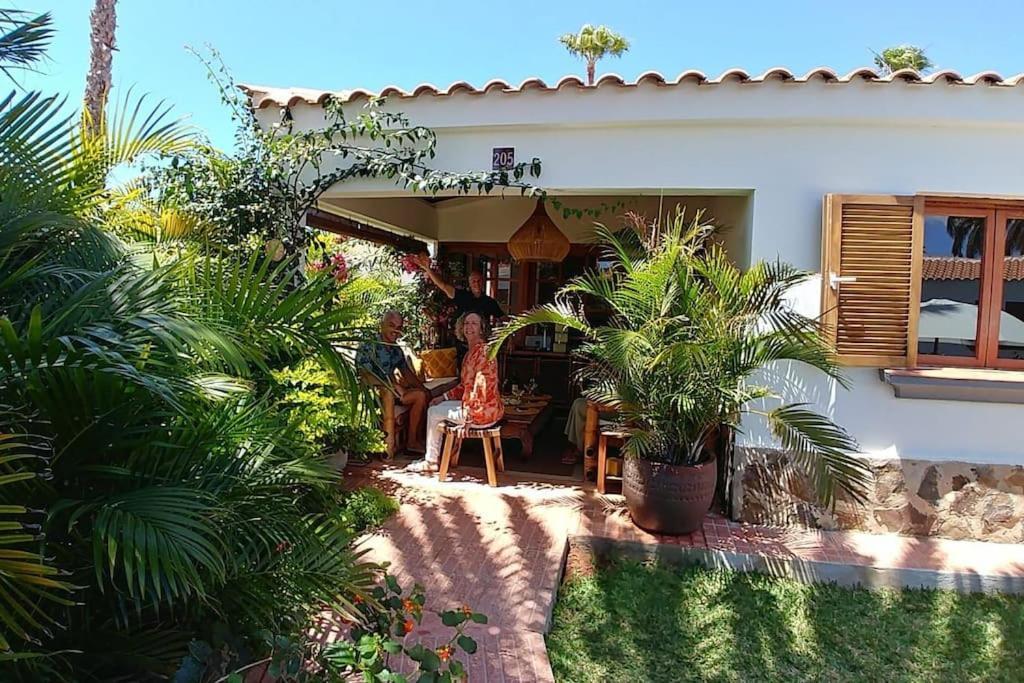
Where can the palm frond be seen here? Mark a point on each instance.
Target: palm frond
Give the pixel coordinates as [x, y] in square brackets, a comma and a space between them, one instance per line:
[823, 451]
[28, 582]
[559, 312]
[160, 540]
[24, 38]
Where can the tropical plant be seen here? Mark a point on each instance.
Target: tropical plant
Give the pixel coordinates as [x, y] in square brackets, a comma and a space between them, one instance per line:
[323, 411]
[164, 485]
[376, 649]
[381, 636]
[684, 350]
[23, 39]
[367, 508]
[278, 172]
[592, 44]
[902, 57]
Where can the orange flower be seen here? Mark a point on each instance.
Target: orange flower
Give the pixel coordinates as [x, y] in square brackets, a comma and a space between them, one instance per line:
[467, 611]
[410, 606]
[408, 626]
[444, 653]
[358, 600]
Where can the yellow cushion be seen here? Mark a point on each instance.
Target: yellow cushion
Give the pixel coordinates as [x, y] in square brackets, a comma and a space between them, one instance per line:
[438, 363]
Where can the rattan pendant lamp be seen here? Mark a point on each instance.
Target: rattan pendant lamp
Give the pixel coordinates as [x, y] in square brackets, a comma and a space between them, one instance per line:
[539, 239]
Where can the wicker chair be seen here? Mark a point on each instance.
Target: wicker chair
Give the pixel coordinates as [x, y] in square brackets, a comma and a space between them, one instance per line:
[395, 416]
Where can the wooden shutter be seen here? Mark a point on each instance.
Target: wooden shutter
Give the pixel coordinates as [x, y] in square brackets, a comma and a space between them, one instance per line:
[871, 277]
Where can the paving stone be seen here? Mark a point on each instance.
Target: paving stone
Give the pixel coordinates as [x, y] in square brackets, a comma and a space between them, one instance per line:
[500, 550]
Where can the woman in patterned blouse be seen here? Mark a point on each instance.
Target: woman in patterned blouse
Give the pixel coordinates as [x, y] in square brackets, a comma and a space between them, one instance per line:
[476, 401]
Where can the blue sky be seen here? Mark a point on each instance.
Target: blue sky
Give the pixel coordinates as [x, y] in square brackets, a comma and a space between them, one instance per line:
[340, 44]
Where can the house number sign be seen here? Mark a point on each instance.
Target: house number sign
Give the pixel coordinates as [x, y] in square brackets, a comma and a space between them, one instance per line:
[503, 158]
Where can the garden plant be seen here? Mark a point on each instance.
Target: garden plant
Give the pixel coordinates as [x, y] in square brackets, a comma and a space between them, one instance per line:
[682, 355]
[163, 513]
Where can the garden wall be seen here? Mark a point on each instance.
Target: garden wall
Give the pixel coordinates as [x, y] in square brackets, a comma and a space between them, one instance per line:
[951, 499]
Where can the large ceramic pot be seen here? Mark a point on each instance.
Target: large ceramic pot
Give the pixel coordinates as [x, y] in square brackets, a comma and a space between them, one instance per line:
[668, 499]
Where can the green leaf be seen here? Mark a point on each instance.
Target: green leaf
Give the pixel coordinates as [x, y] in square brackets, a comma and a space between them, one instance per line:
[478, 618]
[417, 652]
[235, 678]
[430, 661]
[452, 618]
[467, 644]
[392, 584]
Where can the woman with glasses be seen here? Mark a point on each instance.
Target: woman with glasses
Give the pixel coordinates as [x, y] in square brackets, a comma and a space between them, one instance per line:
[476, 402]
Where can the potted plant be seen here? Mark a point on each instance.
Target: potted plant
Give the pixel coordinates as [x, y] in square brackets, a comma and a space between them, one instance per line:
[680, 357]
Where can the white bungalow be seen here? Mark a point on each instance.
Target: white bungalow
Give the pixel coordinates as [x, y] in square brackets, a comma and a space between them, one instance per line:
[921, 184]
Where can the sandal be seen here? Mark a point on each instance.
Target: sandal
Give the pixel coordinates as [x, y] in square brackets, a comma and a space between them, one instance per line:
[421, 466]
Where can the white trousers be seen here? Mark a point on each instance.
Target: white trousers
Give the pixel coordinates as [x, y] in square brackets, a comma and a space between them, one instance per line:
[445, 410]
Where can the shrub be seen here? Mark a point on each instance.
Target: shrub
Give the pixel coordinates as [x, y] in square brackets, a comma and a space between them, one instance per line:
[323, 411]
[367, 508]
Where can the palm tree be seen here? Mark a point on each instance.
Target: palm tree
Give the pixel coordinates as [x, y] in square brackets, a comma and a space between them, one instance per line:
[687, 340]
[135, 412]
[902, 57]
[594, 43]
[23, 39]
[103, 23]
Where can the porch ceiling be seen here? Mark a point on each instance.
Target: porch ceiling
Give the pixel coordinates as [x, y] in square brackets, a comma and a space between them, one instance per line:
[494, 218]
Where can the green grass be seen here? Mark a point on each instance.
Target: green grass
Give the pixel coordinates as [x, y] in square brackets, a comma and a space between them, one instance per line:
[635, 622]
[367, 508]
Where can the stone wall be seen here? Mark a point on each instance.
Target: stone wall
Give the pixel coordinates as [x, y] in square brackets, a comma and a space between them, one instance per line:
[949, 499]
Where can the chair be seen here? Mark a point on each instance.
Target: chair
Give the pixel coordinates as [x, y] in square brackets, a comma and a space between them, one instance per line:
[494, 459]
[617, 438]
[395, 416]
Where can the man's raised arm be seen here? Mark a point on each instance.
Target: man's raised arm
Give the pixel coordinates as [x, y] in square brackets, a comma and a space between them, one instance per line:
[423, 261]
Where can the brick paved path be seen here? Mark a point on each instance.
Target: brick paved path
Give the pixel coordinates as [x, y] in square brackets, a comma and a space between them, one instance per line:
[501, 550]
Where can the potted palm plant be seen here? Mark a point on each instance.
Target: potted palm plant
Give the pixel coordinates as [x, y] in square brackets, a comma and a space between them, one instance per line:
[680, 357]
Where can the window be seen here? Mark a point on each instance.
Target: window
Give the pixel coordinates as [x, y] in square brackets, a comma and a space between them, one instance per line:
[915, 281]
[972, 286]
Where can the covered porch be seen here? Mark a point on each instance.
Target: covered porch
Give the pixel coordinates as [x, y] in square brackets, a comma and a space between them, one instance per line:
[472, 233]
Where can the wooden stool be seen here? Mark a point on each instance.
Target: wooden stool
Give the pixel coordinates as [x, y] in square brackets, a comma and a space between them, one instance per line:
[491, 438]
[602, 454]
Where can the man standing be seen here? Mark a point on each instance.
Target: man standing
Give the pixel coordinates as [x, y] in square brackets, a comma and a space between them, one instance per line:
[378, 363]
[472, 300]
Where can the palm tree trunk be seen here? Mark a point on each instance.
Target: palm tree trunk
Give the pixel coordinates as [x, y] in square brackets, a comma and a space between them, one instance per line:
[591, 65]
[101, 47]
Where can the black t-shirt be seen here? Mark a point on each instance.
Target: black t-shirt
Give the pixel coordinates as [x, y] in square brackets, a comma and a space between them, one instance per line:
[465, 302]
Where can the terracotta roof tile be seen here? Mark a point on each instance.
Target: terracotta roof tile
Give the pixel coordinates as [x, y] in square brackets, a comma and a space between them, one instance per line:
[958, 268]
[263, 96]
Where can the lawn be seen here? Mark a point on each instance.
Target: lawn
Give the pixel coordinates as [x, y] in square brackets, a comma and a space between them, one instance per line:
[636, 622]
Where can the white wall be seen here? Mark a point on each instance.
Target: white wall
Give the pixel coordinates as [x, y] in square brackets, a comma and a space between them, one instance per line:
[790, 144]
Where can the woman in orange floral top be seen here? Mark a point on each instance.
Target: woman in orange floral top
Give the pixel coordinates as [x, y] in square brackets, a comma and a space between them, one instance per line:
[476, 401]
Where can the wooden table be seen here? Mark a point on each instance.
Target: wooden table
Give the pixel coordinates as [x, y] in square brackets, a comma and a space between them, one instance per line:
[523, 423]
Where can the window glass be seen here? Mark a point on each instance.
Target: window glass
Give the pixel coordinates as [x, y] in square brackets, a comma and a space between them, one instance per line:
[1011, 316]
[951, 285]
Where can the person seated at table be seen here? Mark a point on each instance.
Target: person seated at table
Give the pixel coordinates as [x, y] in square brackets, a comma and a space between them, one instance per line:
[476, 402]
[379, 361]
[575, 428]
